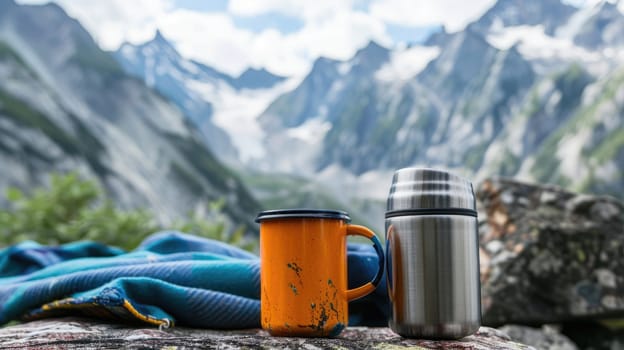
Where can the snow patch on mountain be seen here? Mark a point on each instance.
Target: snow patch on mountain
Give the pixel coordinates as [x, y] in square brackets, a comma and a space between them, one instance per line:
[236, 112]
[534, 43]
[569, 151]
[345, 67]
[405, 64]
[311, 131]
[129, 53]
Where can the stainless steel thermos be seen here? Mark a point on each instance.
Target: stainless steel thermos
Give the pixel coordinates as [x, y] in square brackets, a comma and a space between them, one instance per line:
[432, 255]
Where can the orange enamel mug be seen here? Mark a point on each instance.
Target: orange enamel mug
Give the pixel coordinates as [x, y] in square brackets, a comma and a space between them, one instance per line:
[303, 278]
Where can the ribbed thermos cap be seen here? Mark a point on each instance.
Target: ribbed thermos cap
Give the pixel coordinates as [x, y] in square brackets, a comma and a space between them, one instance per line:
[423, 188]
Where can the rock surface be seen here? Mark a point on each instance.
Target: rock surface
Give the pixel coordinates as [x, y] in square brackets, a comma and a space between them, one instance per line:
[549, 256]
[78, 111]
[546, 338]
[77, 332]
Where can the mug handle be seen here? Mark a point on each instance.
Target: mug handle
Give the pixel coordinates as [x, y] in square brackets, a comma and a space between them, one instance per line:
[359, 292]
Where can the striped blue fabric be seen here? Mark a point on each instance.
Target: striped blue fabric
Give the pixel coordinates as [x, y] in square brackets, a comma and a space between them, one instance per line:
[171, 278]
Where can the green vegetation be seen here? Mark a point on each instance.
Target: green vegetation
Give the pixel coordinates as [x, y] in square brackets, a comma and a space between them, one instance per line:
[510, 164]
[475, 155]
[204, 166]
[571, 83]
[76, 209]
[7, 53]
[535, 105]
[587, 183]
[610, 145]
[613, 323]
[601, 153]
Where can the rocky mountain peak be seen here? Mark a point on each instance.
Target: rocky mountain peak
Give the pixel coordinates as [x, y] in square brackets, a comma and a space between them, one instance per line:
[608, 11]
[96, 120]
[256, 78]
[507, 13]
[437, 38]
[605, 27]
[254, 71]
[164, 53]
[372, 48]
[159, 46]
[371, 56]
[464, 54]
[158, 36]
[323, 64]
[69, 40]
[609, 4]
[160, 40]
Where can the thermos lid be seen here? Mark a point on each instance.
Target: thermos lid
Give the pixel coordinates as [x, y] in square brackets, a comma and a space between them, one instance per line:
[303, 214]
[429, 191]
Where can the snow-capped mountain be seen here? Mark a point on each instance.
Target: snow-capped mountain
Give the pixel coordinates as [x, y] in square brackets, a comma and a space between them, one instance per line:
[550, 14]
[66, 105]
[300, 119]
[602, 28]
[198, 90]
[532, 89]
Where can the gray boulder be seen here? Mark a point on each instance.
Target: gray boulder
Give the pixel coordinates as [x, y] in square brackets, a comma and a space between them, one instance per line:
[546, 338]
[549, 256]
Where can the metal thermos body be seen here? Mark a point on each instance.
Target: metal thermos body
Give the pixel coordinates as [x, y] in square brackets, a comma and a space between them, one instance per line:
[432, 254]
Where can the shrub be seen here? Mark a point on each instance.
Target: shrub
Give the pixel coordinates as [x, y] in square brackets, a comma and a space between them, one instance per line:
[74, 209]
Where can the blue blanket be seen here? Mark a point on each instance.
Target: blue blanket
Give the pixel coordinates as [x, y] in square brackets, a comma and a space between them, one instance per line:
[171, 278]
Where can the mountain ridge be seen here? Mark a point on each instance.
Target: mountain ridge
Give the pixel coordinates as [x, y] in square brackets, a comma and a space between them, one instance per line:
[193, 86]
[513, 96]
[458, 110]
[77, 110]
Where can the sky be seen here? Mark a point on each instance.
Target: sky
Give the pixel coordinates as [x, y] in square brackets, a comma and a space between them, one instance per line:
[283, 36]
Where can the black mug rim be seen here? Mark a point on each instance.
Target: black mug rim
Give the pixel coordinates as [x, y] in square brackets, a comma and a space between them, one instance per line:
[303, 213]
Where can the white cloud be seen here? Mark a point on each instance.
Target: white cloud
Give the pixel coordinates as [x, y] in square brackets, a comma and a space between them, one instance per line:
[452, 13]
[331, 28]
[211, 38]
[586, 3]
[337, 36]
[254, 8]
[214, 39]
[301, 9]
[112, 22]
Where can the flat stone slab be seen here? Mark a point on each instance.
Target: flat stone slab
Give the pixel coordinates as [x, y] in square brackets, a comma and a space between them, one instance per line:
[74, 332]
